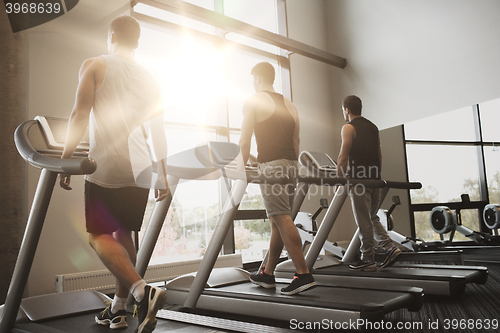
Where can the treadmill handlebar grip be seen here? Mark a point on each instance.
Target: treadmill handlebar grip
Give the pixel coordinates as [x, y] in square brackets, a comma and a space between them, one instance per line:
[370, 183]
[75, 166]
[332, 181]
[404, 185]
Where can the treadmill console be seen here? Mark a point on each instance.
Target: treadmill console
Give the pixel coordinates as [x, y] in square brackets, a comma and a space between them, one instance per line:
[54, 130]
[217, 153]
[320, 161]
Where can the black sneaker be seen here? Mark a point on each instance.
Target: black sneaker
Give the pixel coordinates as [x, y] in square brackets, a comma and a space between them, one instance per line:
[113, 320]
[364, 266]
[392, 256]
[262, 279]
[154, 299]
[299, 284]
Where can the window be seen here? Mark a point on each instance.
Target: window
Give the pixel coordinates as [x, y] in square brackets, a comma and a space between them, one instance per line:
[204, 75]
[445, 172]
[490, 116]
[451, 126]
[452, 154]
[492, 161]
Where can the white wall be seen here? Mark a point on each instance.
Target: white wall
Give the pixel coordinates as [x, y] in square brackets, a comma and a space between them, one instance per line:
[411, 59]
[316, 93]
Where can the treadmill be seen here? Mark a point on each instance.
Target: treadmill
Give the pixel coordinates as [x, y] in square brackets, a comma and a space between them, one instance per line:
[433, 279]
[229, 290]
[39, 143]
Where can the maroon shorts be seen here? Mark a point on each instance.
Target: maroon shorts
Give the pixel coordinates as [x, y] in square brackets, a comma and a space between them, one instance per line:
[110, 209]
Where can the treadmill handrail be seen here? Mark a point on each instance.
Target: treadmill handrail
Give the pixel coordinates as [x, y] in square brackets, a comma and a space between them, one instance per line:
[370, 183]
[403, 185]
[318, 180]
[74, 166]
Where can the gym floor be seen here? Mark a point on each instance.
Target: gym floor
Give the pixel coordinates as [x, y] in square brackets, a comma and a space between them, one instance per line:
[470, 312]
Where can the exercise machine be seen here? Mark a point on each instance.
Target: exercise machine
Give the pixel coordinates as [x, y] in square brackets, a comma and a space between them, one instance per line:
[482, 247]
[308, 227]
[433, 279]
[412, 247]
[443, 221]
[39, 143]
[491, 217]
[229, 289]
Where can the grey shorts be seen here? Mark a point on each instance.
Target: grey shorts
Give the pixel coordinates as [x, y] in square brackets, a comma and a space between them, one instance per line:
[278, 199]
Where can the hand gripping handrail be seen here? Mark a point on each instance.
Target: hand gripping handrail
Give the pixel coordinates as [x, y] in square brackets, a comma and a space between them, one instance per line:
[74, 166]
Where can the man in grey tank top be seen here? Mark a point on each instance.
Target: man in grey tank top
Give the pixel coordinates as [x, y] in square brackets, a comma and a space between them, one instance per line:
[361, 150]
[111, 95]
[275, 121]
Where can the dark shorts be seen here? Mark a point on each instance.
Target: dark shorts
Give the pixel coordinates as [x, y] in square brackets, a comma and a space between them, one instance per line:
[110, 209]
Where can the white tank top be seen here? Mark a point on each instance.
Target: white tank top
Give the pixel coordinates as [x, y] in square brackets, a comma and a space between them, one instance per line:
[128, 97]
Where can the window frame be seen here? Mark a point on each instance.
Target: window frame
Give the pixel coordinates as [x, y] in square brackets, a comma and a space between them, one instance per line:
[223, 128]
[482, 177]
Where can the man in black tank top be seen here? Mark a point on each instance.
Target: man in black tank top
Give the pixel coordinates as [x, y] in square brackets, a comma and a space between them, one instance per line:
[275, 121]
[361, 150]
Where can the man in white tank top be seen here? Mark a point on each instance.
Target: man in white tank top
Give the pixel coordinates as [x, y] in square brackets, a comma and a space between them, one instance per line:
[121, 103]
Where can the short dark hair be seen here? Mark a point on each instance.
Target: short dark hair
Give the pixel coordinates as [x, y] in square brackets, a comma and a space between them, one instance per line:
[127, 30]
[265, 71]
[353, 103]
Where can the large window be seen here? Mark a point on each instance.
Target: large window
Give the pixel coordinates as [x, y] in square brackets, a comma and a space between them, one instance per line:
[204, 75]
[452, 154]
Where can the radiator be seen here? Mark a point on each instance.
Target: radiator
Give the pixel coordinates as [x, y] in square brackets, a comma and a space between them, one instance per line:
[103, 280]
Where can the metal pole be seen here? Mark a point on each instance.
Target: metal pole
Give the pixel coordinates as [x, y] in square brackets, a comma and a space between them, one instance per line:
[353, 248]
[28, 248]
[300, 195]
[326, 226]
[153, 230]
[215, 245]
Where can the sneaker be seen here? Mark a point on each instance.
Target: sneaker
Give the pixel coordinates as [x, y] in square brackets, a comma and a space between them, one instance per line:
[262, 279]
[299, 284]
[392, 256]
[113, 320]
[154, 299]
[364, 266]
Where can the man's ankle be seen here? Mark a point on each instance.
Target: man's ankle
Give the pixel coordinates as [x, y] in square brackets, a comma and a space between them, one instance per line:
[301, 276]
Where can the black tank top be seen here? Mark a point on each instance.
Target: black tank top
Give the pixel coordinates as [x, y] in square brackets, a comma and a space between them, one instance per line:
[364, 160]
[274, 136]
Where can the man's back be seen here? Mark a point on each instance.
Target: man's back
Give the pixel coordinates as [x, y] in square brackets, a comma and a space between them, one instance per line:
[364, 156]
[275, 126]
[127, 97]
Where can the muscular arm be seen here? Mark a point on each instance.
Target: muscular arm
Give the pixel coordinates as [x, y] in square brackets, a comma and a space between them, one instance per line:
[247, 129]
[348, 133]
[155, 129]
[296, 135]
[79, 118]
